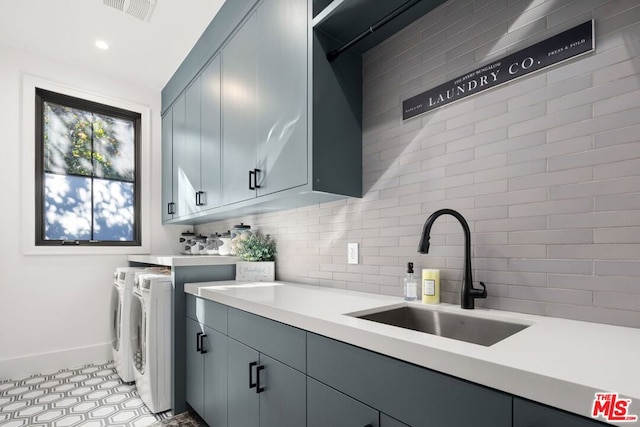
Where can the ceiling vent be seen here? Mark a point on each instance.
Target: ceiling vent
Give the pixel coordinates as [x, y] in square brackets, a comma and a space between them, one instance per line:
[141, 9]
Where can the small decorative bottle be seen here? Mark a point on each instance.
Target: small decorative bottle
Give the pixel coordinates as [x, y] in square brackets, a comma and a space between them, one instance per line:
[411, 285]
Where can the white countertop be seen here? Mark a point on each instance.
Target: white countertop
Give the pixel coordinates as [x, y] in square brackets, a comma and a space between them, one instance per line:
[183, 260]
[560, 362]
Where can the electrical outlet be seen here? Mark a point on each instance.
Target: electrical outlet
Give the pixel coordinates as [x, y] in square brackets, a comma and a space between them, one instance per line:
[352, 253]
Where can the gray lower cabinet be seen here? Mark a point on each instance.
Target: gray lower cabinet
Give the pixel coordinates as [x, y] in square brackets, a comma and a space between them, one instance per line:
[387, 421]
[531, 414]
[206, 372]
[262, 391]
[408, 393]
[329, 407]
[258, 372]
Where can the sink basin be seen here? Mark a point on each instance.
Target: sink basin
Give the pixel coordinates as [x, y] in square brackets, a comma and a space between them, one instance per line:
[474, 330]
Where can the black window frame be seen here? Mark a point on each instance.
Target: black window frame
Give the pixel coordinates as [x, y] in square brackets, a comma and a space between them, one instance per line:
[42, 96]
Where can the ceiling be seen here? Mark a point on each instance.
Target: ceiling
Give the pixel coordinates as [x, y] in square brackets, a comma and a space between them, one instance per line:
[140, 52]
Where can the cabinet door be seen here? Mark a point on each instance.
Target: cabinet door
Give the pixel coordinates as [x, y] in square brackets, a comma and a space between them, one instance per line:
[404, 391]
[283, 401]
[532, 414]
[328, 407]
[387, 421]
[195, 367]
[167, 166]
[215, 378]
[210, 136]
[190, 162]
[239, 109]
[180, 183]
[282, 95]
[243, 401]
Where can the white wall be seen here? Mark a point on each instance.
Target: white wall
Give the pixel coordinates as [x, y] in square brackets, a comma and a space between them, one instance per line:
[546, 169]
[54, 309]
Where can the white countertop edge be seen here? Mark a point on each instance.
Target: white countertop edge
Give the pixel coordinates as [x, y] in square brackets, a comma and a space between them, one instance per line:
[184, 260]
[571, 394]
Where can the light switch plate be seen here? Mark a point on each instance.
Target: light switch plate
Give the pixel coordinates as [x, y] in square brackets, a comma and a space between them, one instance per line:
[352, 253]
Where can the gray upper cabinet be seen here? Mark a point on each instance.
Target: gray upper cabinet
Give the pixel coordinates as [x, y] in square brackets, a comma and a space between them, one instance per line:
[290, 129]
[179, 156]
[239, 120]
[282, 95]
[168, 205]
[210, 136]
[191, 138]
[189, 163]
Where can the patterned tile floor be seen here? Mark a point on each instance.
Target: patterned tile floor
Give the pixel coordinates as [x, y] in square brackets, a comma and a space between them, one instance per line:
[91, 396]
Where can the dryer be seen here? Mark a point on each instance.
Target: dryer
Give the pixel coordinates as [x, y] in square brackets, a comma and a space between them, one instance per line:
[121, 296]
[151, 339]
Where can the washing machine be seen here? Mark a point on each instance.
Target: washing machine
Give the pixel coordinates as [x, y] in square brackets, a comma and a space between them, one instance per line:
[121, 295]
[151, 339]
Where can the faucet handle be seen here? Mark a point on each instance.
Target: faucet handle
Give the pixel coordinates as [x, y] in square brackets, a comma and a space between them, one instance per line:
[479, 293]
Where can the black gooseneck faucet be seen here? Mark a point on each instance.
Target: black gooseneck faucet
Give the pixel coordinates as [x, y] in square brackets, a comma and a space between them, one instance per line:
[468, 293]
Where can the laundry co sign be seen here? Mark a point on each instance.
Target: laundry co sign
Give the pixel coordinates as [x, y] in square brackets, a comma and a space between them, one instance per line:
[561, 47]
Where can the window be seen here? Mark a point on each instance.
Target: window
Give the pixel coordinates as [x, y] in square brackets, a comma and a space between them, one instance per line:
[87, 172]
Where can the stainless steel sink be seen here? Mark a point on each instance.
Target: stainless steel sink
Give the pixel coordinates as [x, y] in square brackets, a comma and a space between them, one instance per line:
[475, 330]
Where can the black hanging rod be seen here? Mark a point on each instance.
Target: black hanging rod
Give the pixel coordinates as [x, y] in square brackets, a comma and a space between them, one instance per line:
[331, 56]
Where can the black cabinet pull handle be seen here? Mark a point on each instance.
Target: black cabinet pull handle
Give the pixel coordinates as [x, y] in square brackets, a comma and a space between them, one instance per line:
[255, 178]
[171, 208]
[198, 342]
[202, 337]
[251, 383]
[258, 388]
[199, 201]
[251, 174]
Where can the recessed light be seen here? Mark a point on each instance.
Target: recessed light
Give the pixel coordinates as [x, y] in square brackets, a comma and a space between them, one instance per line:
[100, 44]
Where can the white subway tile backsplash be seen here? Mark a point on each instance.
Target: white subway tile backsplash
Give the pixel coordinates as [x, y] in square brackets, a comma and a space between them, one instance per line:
[546, 180]
[617, 301]
[512, 197]
[560, 266]
[604, 97]
[510, 171]
[512, 116]
[617, 251]
[594, 314]
[627, 100]
[546, 168]
[550, 237]
[595, 188]
[594, 220]
[547, 93]
[621, 268]
[616, 235]
[623, 285]
[549, 151]
[618, 202]
[551, 207]
[597, 125]
[551, 121]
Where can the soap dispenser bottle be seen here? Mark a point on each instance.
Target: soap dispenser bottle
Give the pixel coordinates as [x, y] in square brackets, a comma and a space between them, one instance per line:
[411, 285]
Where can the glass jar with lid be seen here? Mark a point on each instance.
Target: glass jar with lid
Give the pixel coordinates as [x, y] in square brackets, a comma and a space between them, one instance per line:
[238, 234]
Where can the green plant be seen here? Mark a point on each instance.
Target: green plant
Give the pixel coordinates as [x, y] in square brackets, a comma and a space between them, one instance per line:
[257, 247]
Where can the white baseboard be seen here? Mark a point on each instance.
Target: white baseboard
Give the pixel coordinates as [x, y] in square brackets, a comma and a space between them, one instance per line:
[47, 363]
